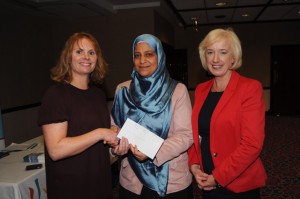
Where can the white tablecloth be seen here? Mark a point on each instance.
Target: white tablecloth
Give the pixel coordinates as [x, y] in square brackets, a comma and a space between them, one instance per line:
[16, 182]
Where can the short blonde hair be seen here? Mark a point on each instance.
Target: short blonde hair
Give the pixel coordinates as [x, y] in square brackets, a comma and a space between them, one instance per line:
[222, 34]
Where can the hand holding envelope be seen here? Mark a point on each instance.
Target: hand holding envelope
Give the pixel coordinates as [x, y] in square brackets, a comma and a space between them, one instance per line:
[146, 141]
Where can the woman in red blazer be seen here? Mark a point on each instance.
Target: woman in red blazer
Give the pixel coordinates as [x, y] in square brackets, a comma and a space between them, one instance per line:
[228, 121]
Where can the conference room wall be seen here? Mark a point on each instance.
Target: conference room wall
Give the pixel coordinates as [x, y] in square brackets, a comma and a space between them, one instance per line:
[26, 55]
[31, 46]
[257, 40]
[20, 126]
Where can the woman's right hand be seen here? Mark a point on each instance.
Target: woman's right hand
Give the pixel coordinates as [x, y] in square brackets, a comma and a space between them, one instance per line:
[110, 136]
[201, 178]
[199, 175]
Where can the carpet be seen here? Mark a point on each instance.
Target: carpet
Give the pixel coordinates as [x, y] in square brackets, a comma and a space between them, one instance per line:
[281, 157]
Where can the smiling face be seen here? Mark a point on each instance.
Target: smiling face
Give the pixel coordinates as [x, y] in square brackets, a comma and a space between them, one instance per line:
[145, 59]
[219, 58]
[84, 58]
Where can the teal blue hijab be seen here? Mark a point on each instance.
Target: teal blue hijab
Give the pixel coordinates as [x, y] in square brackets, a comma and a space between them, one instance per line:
[148, 102]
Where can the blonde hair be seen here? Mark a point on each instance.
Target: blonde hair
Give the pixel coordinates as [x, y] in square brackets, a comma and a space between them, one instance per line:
[62, 72]
[222, 34]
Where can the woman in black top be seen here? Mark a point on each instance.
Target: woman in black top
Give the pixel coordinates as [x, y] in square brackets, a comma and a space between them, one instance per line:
[75, 123]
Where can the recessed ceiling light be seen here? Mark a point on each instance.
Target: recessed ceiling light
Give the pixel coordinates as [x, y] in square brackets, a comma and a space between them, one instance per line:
[222, 3]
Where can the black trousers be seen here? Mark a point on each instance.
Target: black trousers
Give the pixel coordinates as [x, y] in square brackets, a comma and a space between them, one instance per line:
[221, 193]
[150, 194]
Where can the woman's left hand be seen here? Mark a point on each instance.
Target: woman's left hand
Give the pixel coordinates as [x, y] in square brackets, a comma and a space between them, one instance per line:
[210, 183]
[122, 148]
[138, 155]
[204, 181]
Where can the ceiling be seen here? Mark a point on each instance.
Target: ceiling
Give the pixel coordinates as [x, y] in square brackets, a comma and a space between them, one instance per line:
[187, 13]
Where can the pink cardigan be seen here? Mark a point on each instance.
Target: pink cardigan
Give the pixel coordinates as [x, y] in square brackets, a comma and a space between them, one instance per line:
[174, 148]
[237, 134]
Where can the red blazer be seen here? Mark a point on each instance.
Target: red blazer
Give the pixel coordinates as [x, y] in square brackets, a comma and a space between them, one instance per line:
[236, 134]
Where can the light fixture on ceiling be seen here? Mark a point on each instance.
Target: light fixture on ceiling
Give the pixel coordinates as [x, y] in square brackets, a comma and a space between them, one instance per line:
[196, 23]
[222, 3]
[245, 15]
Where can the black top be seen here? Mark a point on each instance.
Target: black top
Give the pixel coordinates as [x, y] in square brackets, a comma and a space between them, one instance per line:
[204, 129]
[86, 175]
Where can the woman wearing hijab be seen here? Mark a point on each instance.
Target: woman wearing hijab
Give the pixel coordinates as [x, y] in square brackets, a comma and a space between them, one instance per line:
[162, 105]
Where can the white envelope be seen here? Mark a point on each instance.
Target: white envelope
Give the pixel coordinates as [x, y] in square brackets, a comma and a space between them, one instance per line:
[146, 141]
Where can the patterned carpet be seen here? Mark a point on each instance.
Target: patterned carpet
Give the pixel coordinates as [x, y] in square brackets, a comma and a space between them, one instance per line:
[281, 157]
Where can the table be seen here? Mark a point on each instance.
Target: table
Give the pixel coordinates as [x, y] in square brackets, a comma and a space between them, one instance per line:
[16, 182]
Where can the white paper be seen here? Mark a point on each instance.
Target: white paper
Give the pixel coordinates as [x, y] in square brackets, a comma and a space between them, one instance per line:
[146, 141]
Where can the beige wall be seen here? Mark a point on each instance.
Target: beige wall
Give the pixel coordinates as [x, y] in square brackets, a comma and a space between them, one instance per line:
[30, 46]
